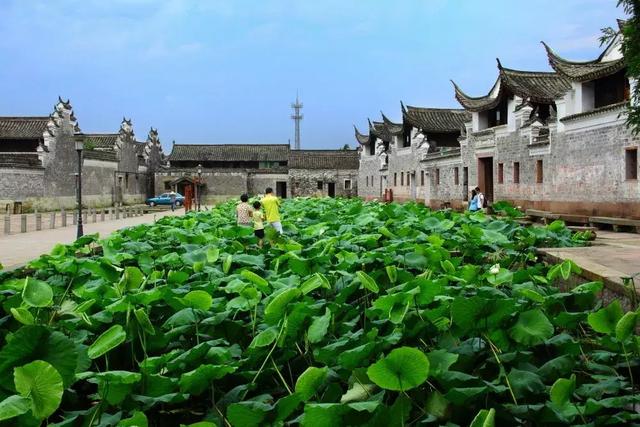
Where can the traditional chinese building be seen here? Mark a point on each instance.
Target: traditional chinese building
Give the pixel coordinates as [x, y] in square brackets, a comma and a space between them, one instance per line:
[551, 140]
[38, 162]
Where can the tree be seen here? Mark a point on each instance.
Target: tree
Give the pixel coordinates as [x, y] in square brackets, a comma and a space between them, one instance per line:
[631, 51]
[346, 147]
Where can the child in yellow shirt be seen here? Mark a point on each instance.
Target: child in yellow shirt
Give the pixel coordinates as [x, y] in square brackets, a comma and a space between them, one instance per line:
[258, 222]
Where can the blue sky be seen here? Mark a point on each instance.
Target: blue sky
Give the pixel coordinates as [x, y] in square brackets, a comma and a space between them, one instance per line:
[226, 71]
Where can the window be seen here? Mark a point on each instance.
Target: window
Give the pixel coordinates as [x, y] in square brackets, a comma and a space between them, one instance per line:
[437, 176]
[347, 184]
[500, 173]
[320, 185]
[167, 185]
[631, 163]
[367, 180]
[516, 172]
[395, 179]
[401, 179]
[465, 183]
[408, 179]
[456, 177]
[539, 174]
[422, 178]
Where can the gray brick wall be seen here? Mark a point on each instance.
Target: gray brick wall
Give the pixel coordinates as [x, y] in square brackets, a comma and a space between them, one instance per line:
[304, 182]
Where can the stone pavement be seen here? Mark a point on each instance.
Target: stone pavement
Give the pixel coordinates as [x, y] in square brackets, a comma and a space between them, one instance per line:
[17, 249]
[612, 257]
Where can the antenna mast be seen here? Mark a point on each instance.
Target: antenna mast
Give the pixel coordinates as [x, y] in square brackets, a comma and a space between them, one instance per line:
[297, 117]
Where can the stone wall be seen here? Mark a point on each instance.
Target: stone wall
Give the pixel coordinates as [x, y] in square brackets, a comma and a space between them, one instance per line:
[583, 169]
[371, 180]
[304, 182]
[21, 185]
[258, 182]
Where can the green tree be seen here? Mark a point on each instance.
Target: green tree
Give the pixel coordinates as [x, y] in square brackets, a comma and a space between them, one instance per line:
[631, 50]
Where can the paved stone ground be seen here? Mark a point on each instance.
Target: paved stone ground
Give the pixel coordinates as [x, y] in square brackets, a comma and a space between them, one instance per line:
[612, 256]
[17, 249]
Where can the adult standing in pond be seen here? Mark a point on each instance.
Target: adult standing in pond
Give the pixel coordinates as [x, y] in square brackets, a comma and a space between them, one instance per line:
[243, 211]
[271, 205]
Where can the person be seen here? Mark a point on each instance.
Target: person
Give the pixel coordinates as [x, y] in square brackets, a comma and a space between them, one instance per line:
[271, 209]
[482, 201]
[258, 222]
[473, 203]
[243, 211]
[172, 197]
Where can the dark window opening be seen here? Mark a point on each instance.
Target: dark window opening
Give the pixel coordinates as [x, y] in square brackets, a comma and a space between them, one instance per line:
[437, 176]
[372, 148]
[167, 185]
[465, 183]
[456, 177]
[422, 178]
[395, 179]
[320, 185]
[498, 116]
[401, 179]
[539, 173]
[347, 184]
[631, 163]
[516, 172]
[367, 181]
[406, 139]
[611, 89]
[500, 173]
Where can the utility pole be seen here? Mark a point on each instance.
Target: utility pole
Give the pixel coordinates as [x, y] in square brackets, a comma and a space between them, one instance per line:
[297, 117]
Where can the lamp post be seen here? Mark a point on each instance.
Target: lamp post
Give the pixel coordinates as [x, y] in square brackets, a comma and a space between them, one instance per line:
[199, 189]
[79, 140]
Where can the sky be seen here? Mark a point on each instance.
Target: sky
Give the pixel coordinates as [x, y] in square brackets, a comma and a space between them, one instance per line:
[226, 71]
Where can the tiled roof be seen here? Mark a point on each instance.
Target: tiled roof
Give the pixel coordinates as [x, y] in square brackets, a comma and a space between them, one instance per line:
[360, 137]
[537, 86]
[435, 119]
[479, 103]
[613, 107]
[20, 160]
[392, 128]
[100, 155]
[583, 71]
[101, 140]
[379, 130]
[323, 159]
[230, 152]
[23, 127]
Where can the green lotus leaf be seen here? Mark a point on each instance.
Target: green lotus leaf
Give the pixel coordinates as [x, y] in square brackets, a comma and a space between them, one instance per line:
[310, 381]
[107, 341]
[37, 293]
[41, 383]
[402, 369]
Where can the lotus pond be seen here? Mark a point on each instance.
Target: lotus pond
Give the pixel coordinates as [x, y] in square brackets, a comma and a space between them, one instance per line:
[363, 314]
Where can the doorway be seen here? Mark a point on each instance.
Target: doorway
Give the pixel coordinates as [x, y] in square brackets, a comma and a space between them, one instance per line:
[485, 177]
[331, 189]
[281, 189]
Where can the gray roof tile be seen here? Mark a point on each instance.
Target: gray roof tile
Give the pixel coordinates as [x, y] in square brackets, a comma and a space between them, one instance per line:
[323, 159]
[230, 152]
[23, 127]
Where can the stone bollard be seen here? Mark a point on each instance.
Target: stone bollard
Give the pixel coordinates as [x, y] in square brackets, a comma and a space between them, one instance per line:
[23, 223]
[117, 212]
[101, 214]
[94, 215]
[63, 218]
[7, 224]
[52, 220]
[38, 221]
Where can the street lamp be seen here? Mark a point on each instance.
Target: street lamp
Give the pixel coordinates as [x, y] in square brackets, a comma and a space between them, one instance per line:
[199, 189]
[79, 140]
